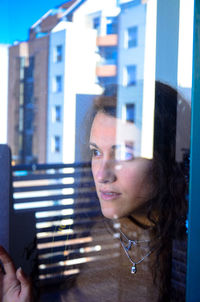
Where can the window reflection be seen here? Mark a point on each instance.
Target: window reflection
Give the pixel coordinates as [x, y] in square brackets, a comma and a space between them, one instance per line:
[58, 53]
[132, 37]
[57, 83]
[83, 56]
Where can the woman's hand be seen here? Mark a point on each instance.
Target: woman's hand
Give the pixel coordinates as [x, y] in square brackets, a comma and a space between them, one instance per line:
[14, 285]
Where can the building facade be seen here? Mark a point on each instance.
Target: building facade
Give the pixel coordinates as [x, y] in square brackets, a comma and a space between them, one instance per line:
[131, 55]
[71, 51]
[102, 16]
[82, 61]
[27, 90]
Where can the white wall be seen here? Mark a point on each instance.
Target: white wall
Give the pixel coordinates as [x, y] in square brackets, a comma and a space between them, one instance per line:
[80, 77]
[78, 71]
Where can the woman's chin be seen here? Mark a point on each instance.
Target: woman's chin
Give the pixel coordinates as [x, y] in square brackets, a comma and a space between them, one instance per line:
[109, 213]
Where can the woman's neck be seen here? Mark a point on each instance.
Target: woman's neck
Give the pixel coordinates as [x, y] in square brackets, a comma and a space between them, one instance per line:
[135, 228]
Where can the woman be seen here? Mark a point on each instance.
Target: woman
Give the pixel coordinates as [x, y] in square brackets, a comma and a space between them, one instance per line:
[147, 197]
[142, 196]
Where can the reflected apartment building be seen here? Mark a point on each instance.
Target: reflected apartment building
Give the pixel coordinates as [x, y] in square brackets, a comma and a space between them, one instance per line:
[27, 91]
[73, 52]
[70, 55]
[82, 61]
[149, 49]
[131, 57]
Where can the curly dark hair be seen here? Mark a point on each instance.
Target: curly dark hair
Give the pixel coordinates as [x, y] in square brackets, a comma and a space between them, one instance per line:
[167, 210]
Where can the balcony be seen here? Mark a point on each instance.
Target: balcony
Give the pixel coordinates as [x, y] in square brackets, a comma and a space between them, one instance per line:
[106, 71]
[108, 40]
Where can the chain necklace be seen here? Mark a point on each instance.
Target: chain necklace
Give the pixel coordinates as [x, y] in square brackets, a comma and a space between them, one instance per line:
[128, 248]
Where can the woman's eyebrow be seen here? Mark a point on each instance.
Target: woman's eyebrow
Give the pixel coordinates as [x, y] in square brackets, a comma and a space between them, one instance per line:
[127, 145]
[93, 144]
[114, 147]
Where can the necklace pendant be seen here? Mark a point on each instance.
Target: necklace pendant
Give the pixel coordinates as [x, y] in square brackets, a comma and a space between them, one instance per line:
[133, 269]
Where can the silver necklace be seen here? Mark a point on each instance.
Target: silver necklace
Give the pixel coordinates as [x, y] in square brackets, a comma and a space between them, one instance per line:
[132, 242]
[128, 247]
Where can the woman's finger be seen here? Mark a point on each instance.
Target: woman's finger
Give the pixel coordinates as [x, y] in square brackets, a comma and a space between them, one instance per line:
[7, 262]
[22, 277]
[25, 284]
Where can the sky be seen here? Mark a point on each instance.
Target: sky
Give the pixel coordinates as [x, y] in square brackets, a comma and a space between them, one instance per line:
[17, 16]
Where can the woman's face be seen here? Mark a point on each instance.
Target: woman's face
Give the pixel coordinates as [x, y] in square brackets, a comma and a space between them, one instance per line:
[121, 180]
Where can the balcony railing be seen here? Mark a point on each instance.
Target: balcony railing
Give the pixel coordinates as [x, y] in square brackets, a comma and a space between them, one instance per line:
[106, 71]
[108, 40]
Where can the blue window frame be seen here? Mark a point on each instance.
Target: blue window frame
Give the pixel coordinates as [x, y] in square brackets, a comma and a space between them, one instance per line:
[132, 37]
[130, 75]
[193, 261]
[130, 112]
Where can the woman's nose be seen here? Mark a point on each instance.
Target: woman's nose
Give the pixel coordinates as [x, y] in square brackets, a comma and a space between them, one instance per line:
[106, 172]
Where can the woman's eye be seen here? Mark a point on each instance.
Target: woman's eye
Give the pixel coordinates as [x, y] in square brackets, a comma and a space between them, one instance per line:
[124, 155]
[128, 156]
[95, 152]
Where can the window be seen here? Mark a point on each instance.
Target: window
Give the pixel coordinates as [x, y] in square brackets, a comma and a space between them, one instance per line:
[22, 64]
[109, 54]
[130, 75]
[57, 83]
[111, 27]
[130, 112]
[131, 39]
[56, 113]
[54, 89]
[58, 52]
[56, 143]
[96, 23]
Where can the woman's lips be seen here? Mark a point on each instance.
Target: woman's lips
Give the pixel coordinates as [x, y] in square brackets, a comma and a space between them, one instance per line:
[109, 195]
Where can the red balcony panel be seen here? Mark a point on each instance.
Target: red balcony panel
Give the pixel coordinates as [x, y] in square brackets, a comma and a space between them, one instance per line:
[106, 71]
[108, 40]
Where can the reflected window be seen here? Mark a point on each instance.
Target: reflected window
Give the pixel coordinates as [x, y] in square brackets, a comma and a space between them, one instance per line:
[110, 54]
[122, 53]
[56, 113]
[96, 23]
[111, 27]
[57, 83]
[130, 75]
[130, 113]
[56, 143]
[131, 39]
[58, 51]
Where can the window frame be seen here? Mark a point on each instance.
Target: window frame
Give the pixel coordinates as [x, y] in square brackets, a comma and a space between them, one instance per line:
[128, 73]
[133, 39]
[57, 84]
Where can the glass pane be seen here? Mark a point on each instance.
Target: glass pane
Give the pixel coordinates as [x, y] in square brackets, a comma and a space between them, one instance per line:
[99, 100]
